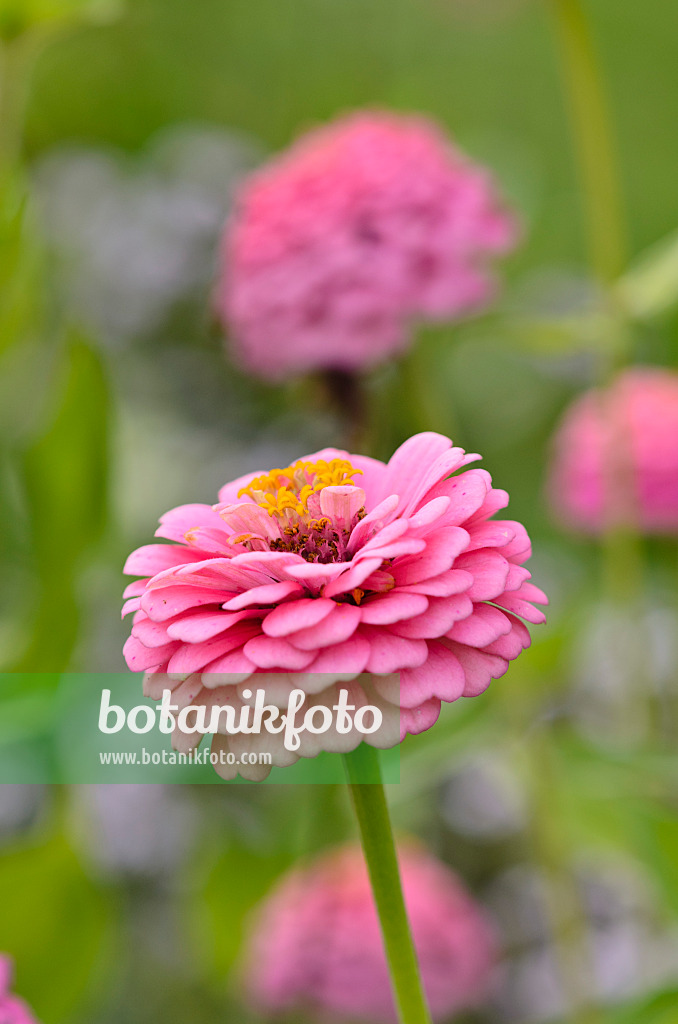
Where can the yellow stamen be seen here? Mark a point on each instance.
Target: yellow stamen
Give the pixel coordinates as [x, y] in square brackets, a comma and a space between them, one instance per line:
[290, 488]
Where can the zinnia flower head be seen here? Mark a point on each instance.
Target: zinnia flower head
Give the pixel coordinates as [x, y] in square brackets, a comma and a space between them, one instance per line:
[361, 228]
[616, 455]
[392, 578]
[12, 1009]
[315, 945]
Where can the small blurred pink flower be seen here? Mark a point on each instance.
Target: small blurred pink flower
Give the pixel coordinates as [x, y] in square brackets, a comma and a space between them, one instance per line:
[615, 456]
[315, 945]
[12, 1009]
[393, 578]
[359, 229]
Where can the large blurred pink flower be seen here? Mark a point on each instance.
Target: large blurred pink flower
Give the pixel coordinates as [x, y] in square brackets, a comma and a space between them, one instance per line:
[315, 945]
[12, 1009]
[362, 227]
[616, 455]
[337, 568]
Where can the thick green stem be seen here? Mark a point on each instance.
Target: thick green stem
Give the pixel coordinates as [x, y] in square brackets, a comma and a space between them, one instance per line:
[369, 800]
[593, 141]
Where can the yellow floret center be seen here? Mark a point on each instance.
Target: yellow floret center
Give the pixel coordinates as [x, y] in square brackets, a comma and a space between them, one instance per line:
[288, 490]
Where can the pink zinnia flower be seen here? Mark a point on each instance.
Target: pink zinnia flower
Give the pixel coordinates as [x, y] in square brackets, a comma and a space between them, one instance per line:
[616, 455]
[316, 948]
[12, 1009]
[341, 243]
[338, 568]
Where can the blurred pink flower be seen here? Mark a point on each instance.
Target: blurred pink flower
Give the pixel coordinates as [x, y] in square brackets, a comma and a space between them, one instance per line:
[615, 456]
[338, 567]
[359, 229]
[12, 1009]
[315, 945]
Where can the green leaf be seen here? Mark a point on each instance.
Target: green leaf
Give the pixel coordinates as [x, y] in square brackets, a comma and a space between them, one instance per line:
[650, 286]
[54, 923]
[20, 265]
[20, 16]
[65, 476]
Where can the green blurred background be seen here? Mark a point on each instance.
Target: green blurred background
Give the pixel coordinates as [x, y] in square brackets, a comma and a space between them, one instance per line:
[555, 794]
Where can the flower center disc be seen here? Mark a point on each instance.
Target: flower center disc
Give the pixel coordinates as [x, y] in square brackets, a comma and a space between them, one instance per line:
[315, 505]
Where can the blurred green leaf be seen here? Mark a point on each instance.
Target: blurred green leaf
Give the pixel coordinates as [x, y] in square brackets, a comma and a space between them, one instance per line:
[20, 16]
[20, 264]
[654, 834]
[65, 475]
[54, 923]
[240, 879]
[658, 1008]
[650, 286]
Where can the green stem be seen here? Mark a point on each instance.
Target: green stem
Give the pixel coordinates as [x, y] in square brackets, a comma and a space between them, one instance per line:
[369, 800]
[16, 60]
[593, 141]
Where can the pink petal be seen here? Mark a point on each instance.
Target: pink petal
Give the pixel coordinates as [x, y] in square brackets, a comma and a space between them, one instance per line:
[154, 558]
[519, 548]
[359, 571]
[495, 500]
[416, 720]
[439, 470]
[295, 615]
[315, 575]
[208, 541]
[164, 604]
[489, 570]
[341, 503]
[269, 593]
[441, 676]
[134, 589]
[453, 581]
[349, 658]
[511, 645]
[155, 682]
[374, 522]
[383, 609]
[466, 492]
[196, 629]
[133, 605]
[187, 691]
[337, 627]
[440, 616]
[390, 653]
[532, 593]
[276, 653]
[429, 513]
[442, 549]
[483, 627]
[193, 657]
[184, 742]
[151, 634]
[491, 534]
[517, 575]
[520, 607]
[479, 668]
[411, 462]
[140, 658]
[175, 524]
[248, 518]
[235, 665]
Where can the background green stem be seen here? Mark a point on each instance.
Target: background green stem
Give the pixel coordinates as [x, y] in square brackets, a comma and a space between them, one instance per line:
[602, 197]
[369, 800]
[16, 62]
[593, 141]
